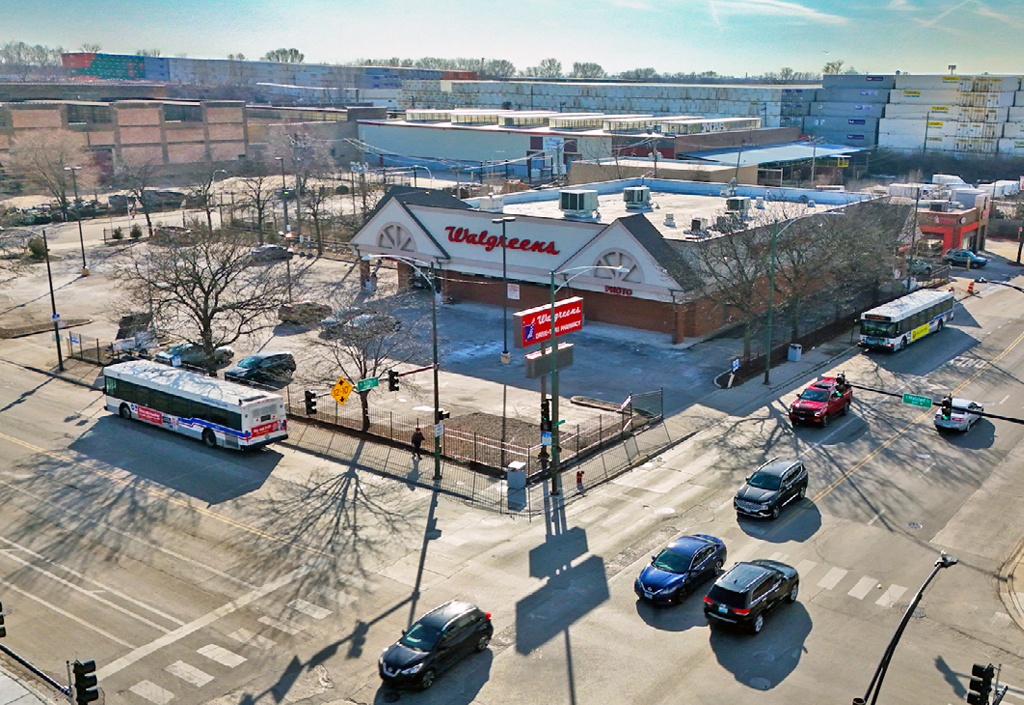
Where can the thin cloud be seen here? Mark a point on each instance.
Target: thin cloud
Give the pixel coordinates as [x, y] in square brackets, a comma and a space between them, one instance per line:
[987, 12]
[777, 8]
[902, 6]
[943, 15]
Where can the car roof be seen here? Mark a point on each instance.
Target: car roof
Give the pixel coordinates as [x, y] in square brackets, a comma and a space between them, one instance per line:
[440, 616]
[269, 353]
[777, 466]
[963, 402]
[687, 545]
[742, 575]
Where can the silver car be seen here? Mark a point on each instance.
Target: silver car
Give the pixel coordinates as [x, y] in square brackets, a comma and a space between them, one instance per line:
[958, 420]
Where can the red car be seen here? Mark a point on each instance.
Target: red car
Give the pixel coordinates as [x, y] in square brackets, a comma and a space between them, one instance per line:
[828, 397]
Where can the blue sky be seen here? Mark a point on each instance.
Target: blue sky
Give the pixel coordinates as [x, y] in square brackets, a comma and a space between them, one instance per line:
[735, 37]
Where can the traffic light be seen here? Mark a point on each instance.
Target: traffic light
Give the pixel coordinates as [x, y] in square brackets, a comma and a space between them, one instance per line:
[981, 684]
[947, 407]
[392, 381]
[310, 403]
[85, 682]
[545, 416]
[3, 629]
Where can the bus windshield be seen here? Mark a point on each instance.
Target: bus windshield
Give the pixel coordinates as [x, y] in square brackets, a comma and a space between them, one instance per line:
[879, 329]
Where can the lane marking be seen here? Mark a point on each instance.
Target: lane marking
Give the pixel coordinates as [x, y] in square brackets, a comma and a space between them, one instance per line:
[926, 414]
[314, 611]
[78, 575]
[891, 596]
[73, 618]
[777, 556]
[244, 636]
[878, 516]
[744, 553]
[197, 624]
[832, 578]
[87, 593]
[152, 692]
[805, 567]
[1004, 399]
[132, 482]
[282, 625]
[189, 673]
[221, 655]
[862, 588]
[1001, 620]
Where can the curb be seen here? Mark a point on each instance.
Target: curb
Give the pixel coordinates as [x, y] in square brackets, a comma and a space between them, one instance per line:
[1007, 594]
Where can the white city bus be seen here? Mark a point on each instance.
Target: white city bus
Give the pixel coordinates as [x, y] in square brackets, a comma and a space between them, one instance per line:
[893, 326]
[217, 412]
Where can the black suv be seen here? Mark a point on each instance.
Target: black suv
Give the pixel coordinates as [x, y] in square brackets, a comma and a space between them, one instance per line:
[774, 485]
[434, 643]
[748, 591]
[263, 367]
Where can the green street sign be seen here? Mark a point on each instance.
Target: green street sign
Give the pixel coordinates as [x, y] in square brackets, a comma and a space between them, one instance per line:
[916, 400]
[368, 383]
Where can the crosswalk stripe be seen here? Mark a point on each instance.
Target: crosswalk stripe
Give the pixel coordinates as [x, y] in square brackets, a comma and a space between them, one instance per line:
[862, 588]
[244, 636]
[779, 556]
[189, 673]
[832, 578]
[282, 625]
[451, 540]
[152, 692]
[591, 515]
[891, 596]
[1000, 619]
[342, 598]
[805, 567]
[221, 655]
[743, 553]
[308, 608]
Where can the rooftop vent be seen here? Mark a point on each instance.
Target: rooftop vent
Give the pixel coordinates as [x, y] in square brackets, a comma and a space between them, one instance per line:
[637, 197]
[737, 204]
[578, 203]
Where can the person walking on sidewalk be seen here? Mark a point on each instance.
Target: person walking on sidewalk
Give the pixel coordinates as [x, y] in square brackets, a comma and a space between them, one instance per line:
[417, 442]
[579, 480]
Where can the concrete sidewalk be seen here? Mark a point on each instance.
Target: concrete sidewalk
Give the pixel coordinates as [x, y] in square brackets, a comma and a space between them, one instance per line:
[13, 691]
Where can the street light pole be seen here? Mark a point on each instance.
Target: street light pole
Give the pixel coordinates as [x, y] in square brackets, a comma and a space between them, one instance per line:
[53, 304]
[284, 196]
[506, 358]
[943, 561]
[776, 231]
[78, 216]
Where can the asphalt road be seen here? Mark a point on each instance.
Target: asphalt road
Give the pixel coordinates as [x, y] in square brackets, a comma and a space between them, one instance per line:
[196, 576]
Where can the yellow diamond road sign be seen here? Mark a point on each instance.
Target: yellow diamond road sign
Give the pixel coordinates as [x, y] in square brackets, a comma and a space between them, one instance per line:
[341, 390]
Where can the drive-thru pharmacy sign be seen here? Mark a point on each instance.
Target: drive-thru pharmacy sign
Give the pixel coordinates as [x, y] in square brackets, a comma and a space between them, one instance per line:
[534, 325]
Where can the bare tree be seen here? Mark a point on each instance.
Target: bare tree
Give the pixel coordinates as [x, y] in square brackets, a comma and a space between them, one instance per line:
[148, 52]
[307, 156]
[315, 198]
[42, 157]
[257, 186]
[91, 47]
[135, 175]
[203, 193]
[587, 69]
[548, 68]
[367, 345]
[805, 262]
[206, 291]
[287, 56]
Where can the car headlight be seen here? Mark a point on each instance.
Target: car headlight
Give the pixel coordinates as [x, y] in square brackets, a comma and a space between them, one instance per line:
[412, 669]
[665, 590]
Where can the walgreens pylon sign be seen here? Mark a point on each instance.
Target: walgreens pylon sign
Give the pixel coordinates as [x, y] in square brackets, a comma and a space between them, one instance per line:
[534, 325]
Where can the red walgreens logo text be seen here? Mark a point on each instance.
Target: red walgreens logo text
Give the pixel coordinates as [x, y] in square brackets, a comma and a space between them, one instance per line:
[489, 242]
[534, 325]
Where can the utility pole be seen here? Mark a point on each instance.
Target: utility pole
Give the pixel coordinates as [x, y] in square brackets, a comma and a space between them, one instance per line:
[53, 305]
[78, 216]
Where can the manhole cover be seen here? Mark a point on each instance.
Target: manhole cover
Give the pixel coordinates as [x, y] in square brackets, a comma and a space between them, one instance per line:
[664, 510]
[914, 525]
[392, 697]
[918, 613]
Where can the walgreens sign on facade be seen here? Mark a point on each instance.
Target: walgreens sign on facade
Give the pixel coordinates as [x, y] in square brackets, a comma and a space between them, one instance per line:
[490, 242]
[534, 325]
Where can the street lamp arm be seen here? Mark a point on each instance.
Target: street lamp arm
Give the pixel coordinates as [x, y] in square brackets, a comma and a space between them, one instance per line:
[584, 270]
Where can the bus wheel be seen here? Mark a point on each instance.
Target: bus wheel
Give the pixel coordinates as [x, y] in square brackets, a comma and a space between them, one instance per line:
[125, 412]
[209, 439]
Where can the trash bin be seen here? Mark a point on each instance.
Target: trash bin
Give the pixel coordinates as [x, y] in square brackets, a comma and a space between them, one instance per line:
[795, 350]
[515, 475]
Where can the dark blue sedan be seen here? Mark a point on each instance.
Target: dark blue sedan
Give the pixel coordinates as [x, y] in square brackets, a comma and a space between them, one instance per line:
[679, 568]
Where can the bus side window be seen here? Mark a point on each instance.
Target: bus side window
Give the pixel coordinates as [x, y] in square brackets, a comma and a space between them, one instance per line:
[111, 385]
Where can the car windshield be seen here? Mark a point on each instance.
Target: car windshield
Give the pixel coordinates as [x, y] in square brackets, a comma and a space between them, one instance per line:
[764, 481]
[249, 362]
[420, 637]
[672, 562]
[179, 348]
[814, 395]
[880, 329]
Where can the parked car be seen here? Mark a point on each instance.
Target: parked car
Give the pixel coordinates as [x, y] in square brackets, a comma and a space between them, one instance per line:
[302, 312]
[269, 366]
[959, 420]
[435, 642]
[749, 591]
[964, 258]
[828, 397]
[772, 486]
[359, 323]
[270, 253]
[190, 354]
[680, 568]
[921, 267]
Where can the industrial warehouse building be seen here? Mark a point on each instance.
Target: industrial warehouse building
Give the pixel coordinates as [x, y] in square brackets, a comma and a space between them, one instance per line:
[649, 228]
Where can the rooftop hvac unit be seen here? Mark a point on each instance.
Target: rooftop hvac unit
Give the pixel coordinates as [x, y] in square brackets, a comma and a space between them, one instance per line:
[697, 225]
[938, 206]
[759, 202]
[637, 197]
[670, 220]
[492, 203]
[578, 203]
[737, 204]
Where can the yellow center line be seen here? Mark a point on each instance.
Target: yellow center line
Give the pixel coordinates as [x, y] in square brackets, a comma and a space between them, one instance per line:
[166, 496]
[923, 415]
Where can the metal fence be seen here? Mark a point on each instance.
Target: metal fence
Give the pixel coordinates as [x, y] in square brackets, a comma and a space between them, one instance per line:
[88, 349]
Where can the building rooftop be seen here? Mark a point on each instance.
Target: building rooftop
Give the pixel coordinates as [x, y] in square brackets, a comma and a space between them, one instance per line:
[769, 154]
